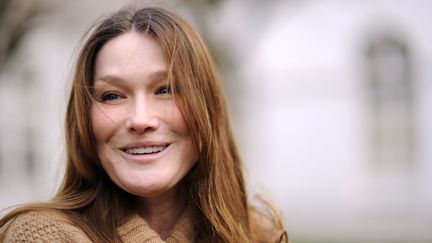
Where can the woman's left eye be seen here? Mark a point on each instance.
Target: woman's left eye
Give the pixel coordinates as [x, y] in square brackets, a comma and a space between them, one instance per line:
[163, 90]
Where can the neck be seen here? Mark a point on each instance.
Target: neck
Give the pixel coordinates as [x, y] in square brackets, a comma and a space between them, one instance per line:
[162, 211]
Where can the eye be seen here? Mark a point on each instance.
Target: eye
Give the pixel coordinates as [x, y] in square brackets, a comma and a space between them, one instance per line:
[110, 96]
[163, 90]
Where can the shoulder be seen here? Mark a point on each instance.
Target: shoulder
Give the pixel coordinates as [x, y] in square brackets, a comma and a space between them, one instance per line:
[45, 226]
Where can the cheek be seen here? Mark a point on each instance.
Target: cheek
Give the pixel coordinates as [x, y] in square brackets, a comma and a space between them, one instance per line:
[103, 122]
[189, 152]
[176, 121]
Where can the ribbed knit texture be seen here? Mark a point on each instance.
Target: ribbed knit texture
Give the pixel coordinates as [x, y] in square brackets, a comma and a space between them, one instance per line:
[44, 226]
[137, 230]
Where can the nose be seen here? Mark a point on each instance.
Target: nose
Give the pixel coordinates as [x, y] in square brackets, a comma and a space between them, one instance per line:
[142, 117]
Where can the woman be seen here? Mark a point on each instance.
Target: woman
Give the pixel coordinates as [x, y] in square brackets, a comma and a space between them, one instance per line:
[150, 152]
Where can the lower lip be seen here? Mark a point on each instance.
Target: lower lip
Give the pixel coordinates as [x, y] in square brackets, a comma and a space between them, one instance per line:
[144, 158]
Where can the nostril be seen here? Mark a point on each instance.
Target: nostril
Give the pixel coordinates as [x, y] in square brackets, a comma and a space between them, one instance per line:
[141, 124]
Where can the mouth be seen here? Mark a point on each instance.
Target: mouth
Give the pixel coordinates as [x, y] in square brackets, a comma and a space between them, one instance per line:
[144, 150]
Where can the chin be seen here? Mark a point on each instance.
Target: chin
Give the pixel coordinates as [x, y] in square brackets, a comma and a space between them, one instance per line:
[147, 188]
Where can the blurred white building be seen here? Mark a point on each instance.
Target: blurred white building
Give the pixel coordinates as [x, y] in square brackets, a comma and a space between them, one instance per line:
[331, 103]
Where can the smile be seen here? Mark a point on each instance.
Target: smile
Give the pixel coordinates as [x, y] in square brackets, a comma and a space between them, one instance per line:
[145, 150]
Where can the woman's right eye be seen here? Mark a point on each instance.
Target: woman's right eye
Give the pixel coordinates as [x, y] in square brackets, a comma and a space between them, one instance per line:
[110, 96]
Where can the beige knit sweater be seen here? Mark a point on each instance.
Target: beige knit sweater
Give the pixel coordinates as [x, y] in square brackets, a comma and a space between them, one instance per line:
[44, 226]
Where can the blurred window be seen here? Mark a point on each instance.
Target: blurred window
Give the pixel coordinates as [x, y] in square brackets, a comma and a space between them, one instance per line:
[391, 102]
[29, 158]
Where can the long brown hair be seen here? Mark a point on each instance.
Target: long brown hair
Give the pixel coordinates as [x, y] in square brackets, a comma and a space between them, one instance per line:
[216, 184]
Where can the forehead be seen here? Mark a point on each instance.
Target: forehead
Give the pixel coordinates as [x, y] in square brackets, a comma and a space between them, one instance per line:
[130, 54]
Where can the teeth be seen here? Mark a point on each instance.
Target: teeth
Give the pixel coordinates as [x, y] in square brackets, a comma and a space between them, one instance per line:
[145, 150]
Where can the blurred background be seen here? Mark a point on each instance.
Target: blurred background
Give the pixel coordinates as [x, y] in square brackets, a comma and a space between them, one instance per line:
[331, 103]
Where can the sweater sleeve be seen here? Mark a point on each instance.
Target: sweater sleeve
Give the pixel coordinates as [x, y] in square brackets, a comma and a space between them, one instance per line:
[42, 226]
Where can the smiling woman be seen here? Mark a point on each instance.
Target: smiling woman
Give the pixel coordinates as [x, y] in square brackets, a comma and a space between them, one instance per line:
[144, 143]
[150, 151]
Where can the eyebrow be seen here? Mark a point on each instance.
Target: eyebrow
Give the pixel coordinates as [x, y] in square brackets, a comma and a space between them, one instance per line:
[113, 78]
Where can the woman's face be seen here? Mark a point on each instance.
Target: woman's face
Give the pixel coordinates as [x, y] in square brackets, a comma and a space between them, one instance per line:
[143, 142]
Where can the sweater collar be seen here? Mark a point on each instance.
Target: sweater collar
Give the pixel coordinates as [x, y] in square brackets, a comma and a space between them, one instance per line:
[136, 229]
